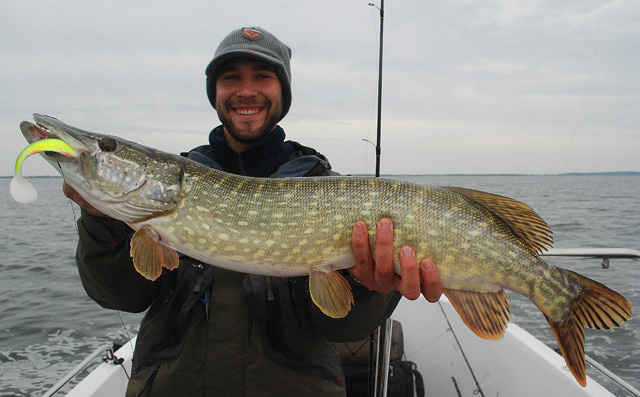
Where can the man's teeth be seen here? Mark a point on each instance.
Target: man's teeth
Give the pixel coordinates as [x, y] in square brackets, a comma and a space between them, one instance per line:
[247, 111]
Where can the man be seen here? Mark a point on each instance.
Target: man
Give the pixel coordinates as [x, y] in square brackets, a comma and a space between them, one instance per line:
[210, 331]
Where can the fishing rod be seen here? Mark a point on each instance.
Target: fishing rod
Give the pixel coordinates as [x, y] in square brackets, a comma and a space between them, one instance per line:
[379, 374]
[379, 121]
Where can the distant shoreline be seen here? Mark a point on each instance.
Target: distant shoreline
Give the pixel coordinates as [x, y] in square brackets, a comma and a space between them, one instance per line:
[613, 173]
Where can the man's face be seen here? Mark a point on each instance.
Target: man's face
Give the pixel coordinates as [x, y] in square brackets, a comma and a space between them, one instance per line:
[248, 101]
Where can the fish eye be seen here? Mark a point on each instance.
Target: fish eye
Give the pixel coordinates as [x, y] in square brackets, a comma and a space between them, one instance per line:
[107, 144]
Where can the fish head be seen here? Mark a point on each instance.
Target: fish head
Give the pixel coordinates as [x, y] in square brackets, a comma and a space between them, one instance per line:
[122, 179]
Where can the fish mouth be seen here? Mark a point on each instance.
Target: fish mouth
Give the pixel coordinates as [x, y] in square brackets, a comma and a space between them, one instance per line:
[49, 127]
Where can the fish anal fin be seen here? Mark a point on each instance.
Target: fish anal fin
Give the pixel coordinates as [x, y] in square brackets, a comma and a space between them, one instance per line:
[331, 292]
[523, 221]
[485, 313]
[597, 307]
[147, 253]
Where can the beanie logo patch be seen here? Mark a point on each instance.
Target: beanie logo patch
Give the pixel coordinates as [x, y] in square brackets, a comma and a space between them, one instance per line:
[251, 34]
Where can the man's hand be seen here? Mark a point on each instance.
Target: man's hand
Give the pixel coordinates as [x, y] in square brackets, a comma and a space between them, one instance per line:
[78, 199]
[378, 274]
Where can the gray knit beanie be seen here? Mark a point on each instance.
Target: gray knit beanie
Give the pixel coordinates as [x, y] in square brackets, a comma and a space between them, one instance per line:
[253, 43]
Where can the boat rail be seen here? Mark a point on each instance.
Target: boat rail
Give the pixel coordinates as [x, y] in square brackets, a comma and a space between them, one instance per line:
[615, 378]
[604, 253]
[109, 358]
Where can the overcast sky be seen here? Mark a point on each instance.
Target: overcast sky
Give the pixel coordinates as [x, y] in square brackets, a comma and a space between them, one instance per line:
[470, 86]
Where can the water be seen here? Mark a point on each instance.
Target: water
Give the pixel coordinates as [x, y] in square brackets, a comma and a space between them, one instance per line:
[49, 324]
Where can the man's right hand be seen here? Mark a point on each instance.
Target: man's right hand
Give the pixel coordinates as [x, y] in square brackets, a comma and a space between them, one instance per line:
[378, 274]
[78, 199]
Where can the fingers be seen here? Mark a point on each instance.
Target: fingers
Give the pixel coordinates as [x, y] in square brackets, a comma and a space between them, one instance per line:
[360, 243]
[384, 270]
[72, 194]
[431, 283]
[66, 189]
[409, 283]
[363, 270]
[379, 274]
[375, 275]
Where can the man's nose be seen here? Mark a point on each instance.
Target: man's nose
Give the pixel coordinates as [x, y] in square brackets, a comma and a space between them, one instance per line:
[247, 88]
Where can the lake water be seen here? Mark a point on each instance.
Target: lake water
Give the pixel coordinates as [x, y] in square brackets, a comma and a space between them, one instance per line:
[48, 324]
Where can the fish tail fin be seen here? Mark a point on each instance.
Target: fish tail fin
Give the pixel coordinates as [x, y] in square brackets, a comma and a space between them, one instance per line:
[597, 307]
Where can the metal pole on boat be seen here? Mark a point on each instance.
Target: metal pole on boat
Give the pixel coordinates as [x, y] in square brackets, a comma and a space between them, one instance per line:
[384, 353]
[381, 371]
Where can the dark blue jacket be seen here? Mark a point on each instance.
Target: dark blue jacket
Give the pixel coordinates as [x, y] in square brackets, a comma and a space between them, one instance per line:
[208, 330]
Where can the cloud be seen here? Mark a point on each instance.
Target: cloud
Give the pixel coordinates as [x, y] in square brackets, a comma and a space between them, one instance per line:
[532, 87]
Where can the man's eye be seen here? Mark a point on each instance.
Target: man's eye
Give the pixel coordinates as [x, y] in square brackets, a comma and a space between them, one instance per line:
[228, 76]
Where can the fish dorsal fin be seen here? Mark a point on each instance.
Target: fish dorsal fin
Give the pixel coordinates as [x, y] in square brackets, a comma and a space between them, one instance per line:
[485, 313]
[149, 256]
[522, 219]
[330, 292]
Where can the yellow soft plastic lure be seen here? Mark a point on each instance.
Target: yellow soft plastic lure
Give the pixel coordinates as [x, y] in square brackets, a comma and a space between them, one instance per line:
[22, 191]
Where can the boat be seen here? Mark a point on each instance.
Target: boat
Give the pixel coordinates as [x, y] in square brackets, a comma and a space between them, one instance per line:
[451, 359]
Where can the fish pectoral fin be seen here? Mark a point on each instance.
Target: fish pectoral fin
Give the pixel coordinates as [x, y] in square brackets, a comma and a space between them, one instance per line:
[330, 292]
[485, 313]
[149, 255]
[597, 307]
[170, 258]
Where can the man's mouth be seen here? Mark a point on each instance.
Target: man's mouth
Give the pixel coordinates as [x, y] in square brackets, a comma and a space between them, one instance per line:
[247, 111]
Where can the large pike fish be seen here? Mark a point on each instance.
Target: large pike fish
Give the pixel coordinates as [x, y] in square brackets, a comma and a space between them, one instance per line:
[480, 242]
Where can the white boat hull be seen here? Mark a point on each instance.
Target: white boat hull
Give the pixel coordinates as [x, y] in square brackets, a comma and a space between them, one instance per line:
[517, 365]
[107, 380]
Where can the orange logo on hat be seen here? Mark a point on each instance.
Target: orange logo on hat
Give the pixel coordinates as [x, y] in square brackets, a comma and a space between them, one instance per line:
[252, 33]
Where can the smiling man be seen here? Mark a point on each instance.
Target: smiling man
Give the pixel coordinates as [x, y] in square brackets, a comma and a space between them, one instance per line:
[248, 101]
[248, 83]
[211, 331]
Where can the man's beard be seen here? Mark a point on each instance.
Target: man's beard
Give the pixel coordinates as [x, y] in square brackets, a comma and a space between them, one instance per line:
[263, 130]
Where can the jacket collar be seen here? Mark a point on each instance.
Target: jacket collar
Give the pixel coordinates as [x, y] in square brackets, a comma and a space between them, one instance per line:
[260, 159]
